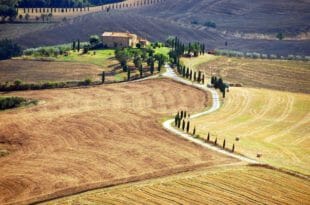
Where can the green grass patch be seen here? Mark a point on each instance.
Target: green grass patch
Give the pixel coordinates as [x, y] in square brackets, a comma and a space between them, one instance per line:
[96, 57]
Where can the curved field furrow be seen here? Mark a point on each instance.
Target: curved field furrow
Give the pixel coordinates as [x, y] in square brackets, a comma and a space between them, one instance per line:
[224, 185]
[275, 124]
[84, 138]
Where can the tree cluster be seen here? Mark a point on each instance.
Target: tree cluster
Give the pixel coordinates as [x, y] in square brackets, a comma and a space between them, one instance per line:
[8, 49]
[218, 83]
[181, 121]
[179, 49]
[140, 56]
[8, 9]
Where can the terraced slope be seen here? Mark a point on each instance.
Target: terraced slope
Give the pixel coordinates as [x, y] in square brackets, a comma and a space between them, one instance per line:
[229, 185]
[271, 123]
[85, 138]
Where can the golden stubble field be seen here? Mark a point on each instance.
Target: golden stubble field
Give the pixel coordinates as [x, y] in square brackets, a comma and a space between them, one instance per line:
[275, 124]
[84, 138]
[215, 185]
[281, 75]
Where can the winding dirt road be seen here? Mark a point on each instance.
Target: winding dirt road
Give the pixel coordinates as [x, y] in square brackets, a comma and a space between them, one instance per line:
[215, 106]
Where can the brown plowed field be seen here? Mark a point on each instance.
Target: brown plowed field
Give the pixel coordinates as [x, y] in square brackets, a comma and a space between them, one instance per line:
[79, 139]
[40, 71]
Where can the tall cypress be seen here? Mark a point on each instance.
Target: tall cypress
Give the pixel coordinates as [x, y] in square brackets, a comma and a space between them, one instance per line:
[194, 131]
[233, 148]
[183, 125]
[208, 138]
[224, 143]
[128, 74]
[103, 77]
[141, 71]
[78, 46]
[187, 127]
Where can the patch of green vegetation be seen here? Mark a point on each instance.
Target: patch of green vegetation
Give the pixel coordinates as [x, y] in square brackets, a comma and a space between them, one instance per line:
[96, 57]
[162, 50]
[14, 102]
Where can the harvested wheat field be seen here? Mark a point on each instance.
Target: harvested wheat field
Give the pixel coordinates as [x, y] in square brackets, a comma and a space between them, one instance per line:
[85, 138]
[32, 71]
[222, 185]
[273, 74]
[274, 124]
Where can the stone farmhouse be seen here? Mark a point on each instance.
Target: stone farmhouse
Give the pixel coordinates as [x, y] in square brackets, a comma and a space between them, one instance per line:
[122, 40]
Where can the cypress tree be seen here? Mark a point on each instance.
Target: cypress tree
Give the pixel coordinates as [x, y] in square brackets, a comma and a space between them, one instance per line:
[176, 118]
[141, 71]
[181, 114]
[187, 127]
[203, 79]
[103, 77]
[194, 76]
[208, 138]
[183, 125]
[191, 75]
[179, 122]
[187, 72]
[78, 46]
[73, 45]
[224, 143]
[194, 131]
[215, 142]
[184, 114]
[233, 148]
[128, 74]
[199, 76]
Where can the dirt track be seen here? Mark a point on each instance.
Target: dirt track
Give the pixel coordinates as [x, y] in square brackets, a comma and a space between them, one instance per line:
[78, 139]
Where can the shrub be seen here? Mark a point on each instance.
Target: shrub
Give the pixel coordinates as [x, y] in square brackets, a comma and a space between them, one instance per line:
[8, 49]
[11, 102]
[210, 24]
[87, 81]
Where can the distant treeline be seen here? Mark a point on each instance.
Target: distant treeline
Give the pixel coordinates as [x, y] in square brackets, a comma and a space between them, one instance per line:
[63, 3]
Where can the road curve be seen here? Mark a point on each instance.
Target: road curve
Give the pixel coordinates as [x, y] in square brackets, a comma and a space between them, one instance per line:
[215, 106]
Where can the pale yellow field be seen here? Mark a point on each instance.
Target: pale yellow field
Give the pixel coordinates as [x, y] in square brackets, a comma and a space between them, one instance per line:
[272, 123]
[225, 185]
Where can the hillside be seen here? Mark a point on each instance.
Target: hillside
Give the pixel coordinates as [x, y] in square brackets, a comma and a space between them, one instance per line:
[84, 138]
[228, 185]
[245, 26]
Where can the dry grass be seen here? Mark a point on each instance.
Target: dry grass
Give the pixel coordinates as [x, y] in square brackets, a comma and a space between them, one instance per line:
[229, 185]
[272, 123]
[40, 71]
[274, 74]
[79, 139]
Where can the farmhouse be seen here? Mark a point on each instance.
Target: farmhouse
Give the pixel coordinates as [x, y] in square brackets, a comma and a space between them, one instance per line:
[122, 39]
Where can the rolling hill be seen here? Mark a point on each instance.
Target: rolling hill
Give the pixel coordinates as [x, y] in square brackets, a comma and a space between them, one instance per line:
[246, 26]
